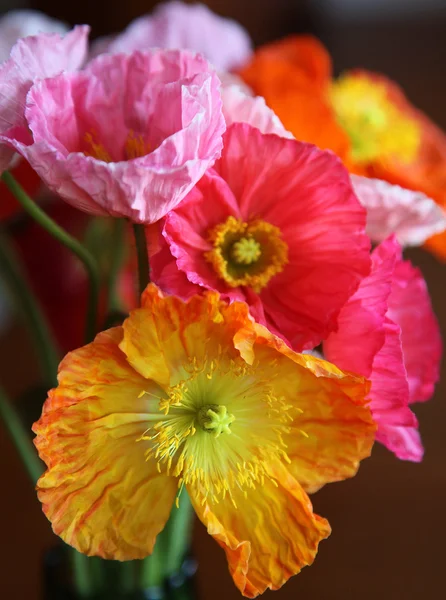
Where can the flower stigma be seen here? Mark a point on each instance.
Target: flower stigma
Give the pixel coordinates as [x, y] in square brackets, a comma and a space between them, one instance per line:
[247, 253]
[215, 419]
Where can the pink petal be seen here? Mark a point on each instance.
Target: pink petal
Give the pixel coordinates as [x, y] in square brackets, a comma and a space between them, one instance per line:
[23, 23]
[411, 215]
[404, 442]
[360, 333]
[392, 305]
[186, 232]
[410, 307]
[239, 107]
[31, 58]
[224, 42]
[170, 99]
[389, 393]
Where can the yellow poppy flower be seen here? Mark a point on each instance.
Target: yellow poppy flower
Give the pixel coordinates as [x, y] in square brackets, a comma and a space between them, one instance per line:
[198, 395]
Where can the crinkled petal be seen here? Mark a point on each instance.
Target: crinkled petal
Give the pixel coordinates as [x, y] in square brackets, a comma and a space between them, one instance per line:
[224, 42]
[35, 57]
[177, 109]
[410, 215]
[23, 23]
[389, 394]
[369, 342]
[411, 309]
[173, 331]
[333, 429]
[99, 492]
[360, 334]
[239, 107]
[270, 536]
[404, 442]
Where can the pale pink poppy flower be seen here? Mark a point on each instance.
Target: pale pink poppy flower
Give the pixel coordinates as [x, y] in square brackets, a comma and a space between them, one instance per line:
[388, 333]
[23, 23]
[130, 135]
[410, 215]
[276, 224]
[177, 25]
[239, 107]
[34, 57]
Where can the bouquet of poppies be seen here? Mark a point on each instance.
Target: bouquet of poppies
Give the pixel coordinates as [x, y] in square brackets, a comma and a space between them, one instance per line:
[245, 324]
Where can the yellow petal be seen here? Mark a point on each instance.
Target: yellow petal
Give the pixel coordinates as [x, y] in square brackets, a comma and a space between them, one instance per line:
[332, 428]
[270, 536]
[99, 492]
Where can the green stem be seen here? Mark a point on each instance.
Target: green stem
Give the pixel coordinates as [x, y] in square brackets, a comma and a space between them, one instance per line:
[67, 240]
[179, 531]
[127, 572]
[143, 257]
[82, 574]
[153, 571]
[116, 260]
[44, 342]
[21, 438]
[171, 546]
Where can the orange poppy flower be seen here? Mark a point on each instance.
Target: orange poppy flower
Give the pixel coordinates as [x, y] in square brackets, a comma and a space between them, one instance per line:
[197, 395]
[363, 117]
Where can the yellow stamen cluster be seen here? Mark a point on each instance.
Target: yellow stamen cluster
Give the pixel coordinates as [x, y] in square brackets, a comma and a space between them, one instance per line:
[375, 125]
[135, 147]
[247, 254]
[96, 150]
[227, 399]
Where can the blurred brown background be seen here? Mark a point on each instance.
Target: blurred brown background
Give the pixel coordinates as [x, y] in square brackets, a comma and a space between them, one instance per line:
[389, 523]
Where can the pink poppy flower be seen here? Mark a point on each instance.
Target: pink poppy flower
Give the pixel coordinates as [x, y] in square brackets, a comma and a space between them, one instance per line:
[275, 224]
[22, 23]
[176, 25]
[34, 57]
[410, 215]
[130, 135]
[388, 333]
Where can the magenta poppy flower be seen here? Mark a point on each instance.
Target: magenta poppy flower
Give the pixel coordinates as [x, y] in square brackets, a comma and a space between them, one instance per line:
[34, 57]
[388, 333]
[276, 224]
[130, 135]
[177, 25]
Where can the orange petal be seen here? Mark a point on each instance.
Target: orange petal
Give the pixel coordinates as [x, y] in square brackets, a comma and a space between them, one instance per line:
[166, 333]
[270, 536]
[293, 76]
[99, 492]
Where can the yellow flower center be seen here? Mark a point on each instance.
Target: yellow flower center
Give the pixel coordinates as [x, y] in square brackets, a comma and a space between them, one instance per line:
[376, 127]
[135, 147]
[247, 253]
[230, 400]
